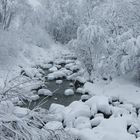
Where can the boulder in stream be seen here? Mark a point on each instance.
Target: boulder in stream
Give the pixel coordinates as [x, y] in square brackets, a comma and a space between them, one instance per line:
[69, 92]
[45, 92]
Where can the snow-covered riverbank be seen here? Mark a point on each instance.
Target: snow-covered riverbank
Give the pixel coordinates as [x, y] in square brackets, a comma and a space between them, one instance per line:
[103, 110]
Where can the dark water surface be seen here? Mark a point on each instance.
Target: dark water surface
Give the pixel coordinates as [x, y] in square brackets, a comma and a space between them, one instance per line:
[58, 97]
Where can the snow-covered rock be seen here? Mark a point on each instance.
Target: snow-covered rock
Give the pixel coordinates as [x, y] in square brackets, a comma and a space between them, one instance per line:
[56, 108]
[20, 112]
[69, 61]
[108, 129]
[96, 121]
[47, 66]
[56, 74]
[82, 122]
[85, 97]
[80, 90]
[101, 103]
[74, 110]
[45, 92]
[133, 129]
[53, 69]
[58, 66]
[80, 109]
[68, 66]
[69, 92]
[34, 97]
[15, 99]
[55, 117]
[60, 61]
[59, 82]
[88, 87]
[81, 79]
[117, 111]
[67, 72]
[53, 125]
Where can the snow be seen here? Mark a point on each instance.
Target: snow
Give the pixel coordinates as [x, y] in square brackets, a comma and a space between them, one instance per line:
[57, 111]
[85, 97]
[59, 82]
[20, 112]
[53, 125]
[6, 107]
[69, 92]
[80, 90]
[56, 75]
[121, 87]
[53, 69]
[109, 128]
[99, 102]
[82, 122]
[34, 97]
[96, 121]
[45, 92]
[56, 108]
[34, 3]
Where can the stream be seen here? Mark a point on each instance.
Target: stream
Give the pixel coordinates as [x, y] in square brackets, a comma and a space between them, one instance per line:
[58, 97]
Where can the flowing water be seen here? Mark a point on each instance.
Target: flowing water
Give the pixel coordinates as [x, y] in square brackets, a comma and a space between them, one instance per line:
[58, 97]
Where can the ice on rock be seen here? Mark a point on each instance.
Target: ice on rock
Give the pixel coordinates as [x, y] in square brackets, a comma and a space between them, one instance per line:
[53, 125]
[69, 92]
[45, 92]
[59, 82]
[20, 112]
[82, 122]
[34, 97]
[53, 69]
[101, 103]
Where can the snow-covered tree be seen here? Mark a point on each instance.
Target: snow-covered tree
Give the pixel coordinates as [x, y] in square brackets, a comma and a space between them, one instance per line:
[6, 12]
[90, 46]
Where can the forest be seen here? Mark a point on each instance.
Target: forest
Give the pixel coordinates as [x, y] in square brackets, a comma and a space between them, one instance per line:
[69, 69]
